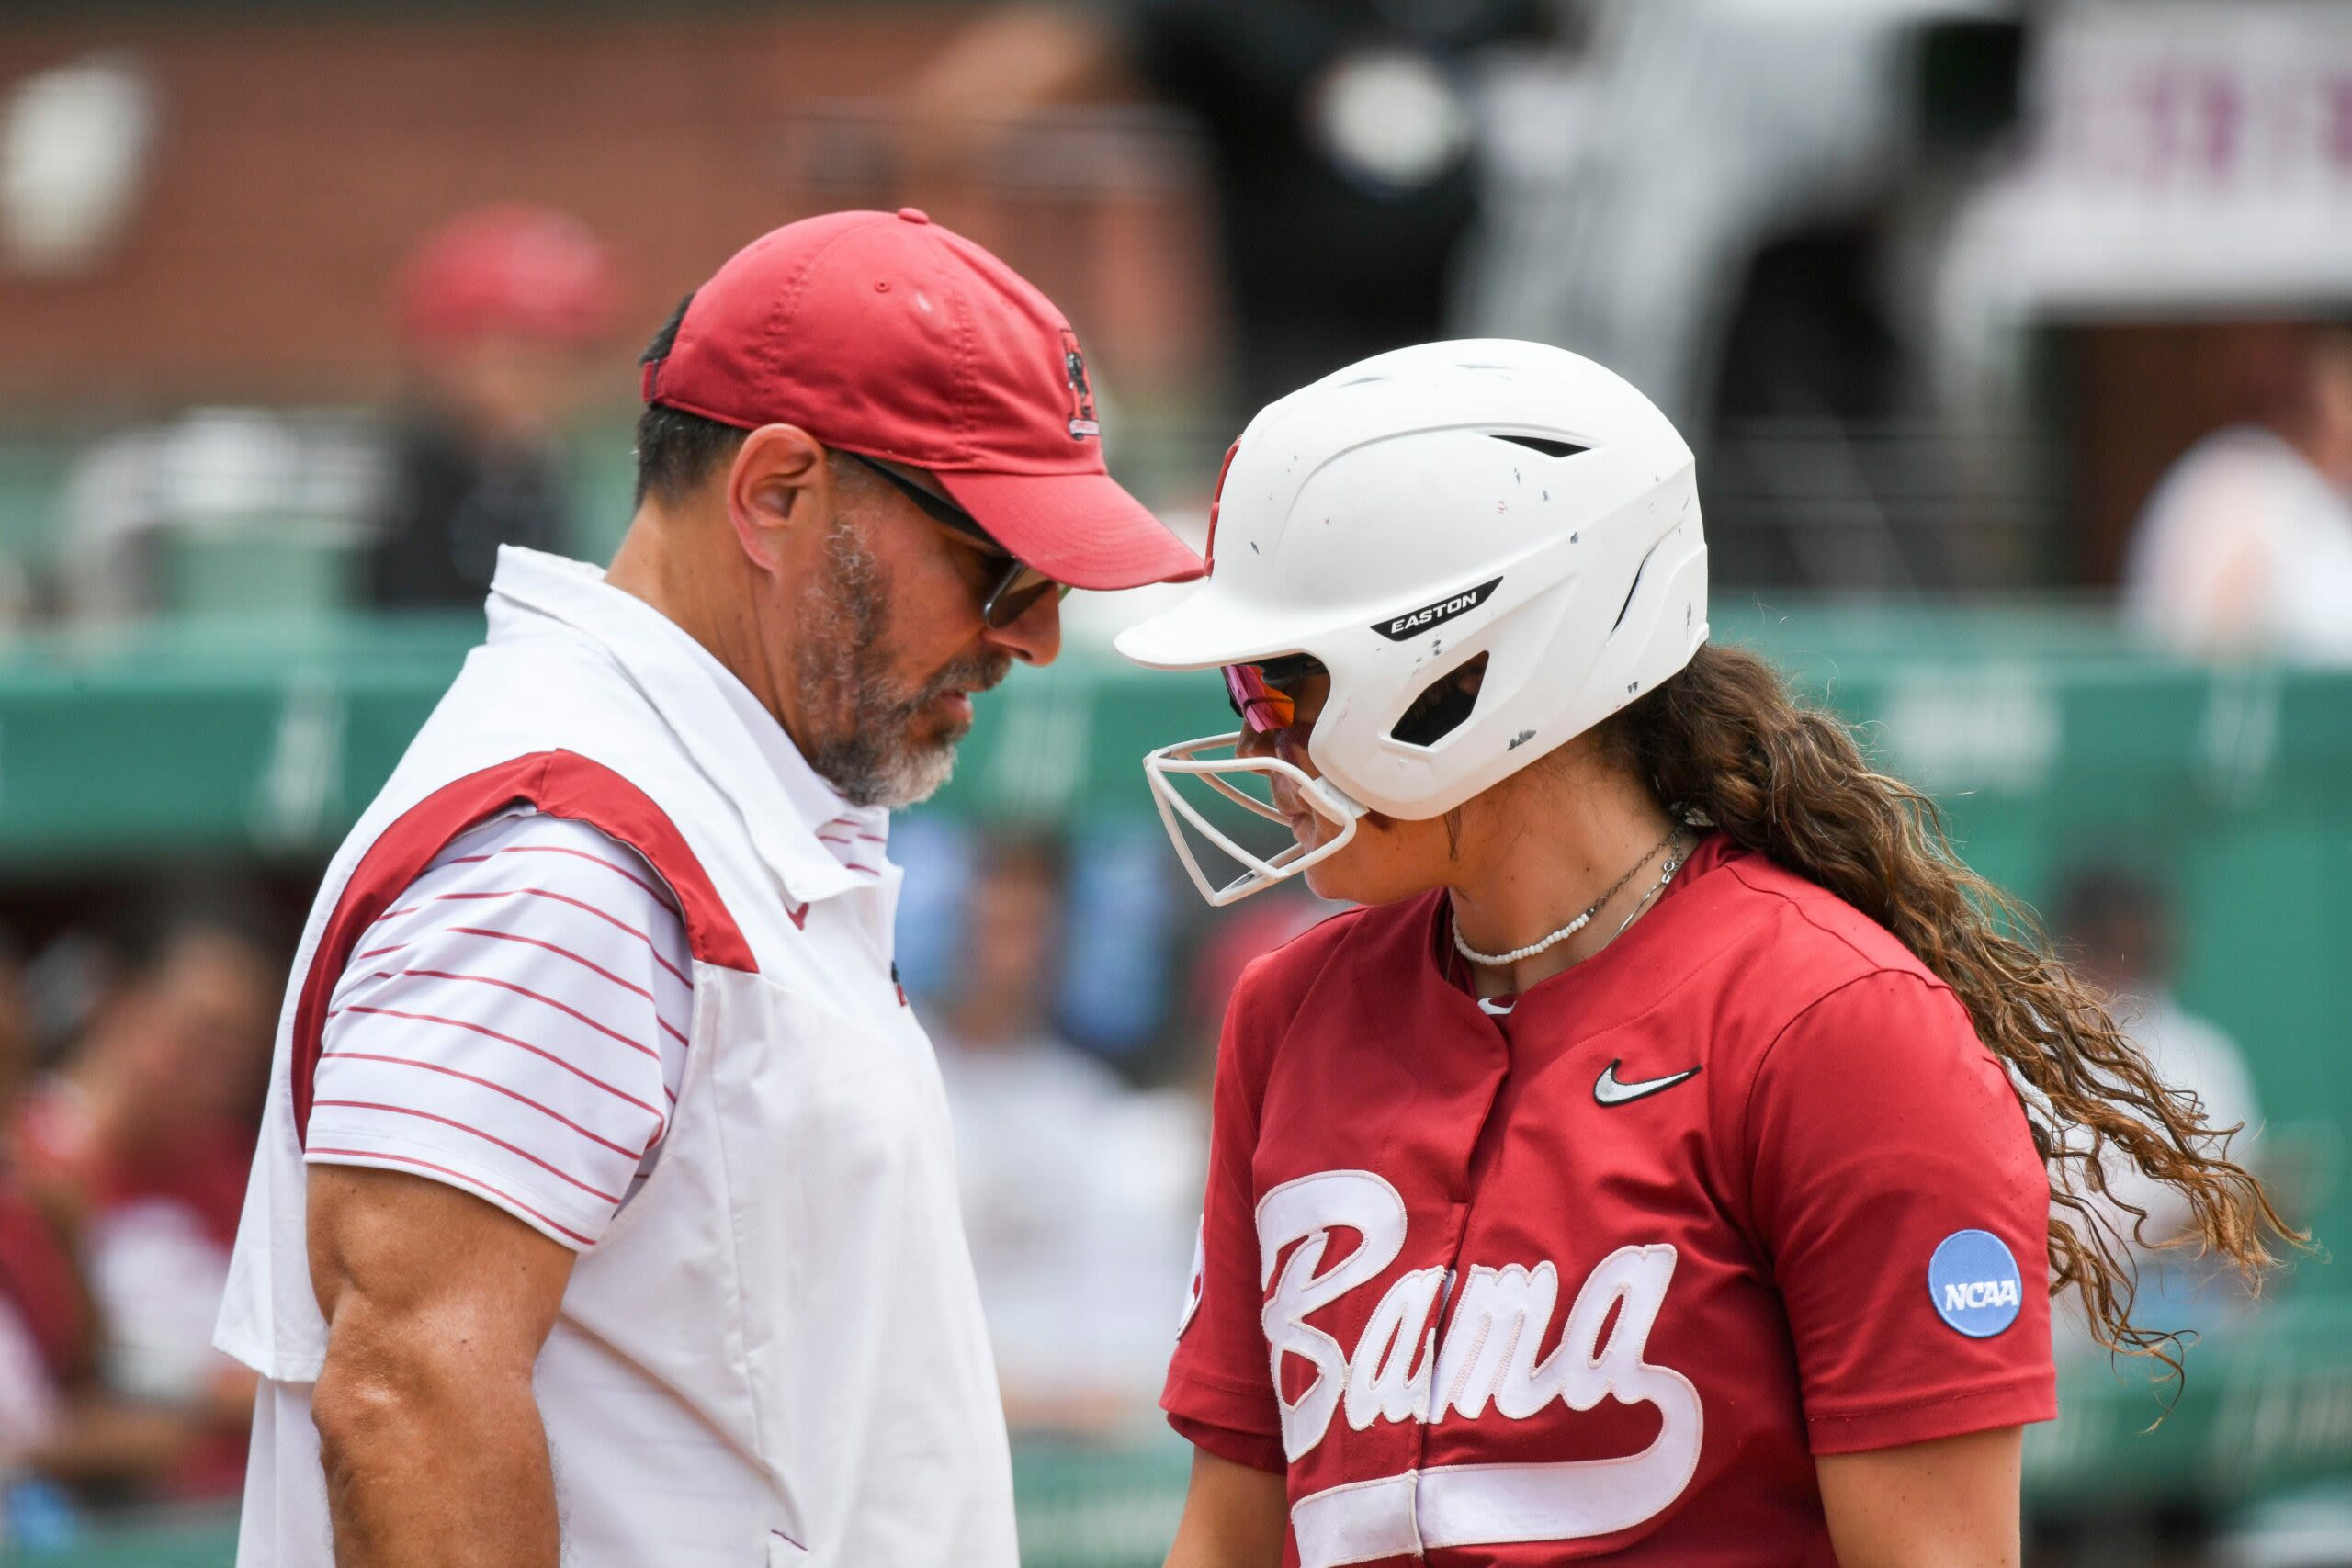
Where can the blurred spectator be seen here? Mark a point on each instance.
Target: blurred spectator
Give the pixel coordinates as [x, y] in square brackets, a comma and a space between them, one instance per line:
[2117, 930]
[45, 1323]
[1123, 930]
[1339, 137]
[2245, 546]
[1078, 1192]
[500, 308]
[137, 1145]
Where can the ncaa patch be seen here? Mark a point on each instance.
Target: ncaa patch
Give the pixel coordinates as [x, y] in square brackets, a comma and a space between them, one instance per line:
[1974, 1282]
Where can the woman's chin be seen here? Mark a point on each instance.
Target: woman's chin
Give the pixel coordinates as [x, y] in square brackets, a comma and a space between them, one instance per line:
[1355, 877]
[1339, 879]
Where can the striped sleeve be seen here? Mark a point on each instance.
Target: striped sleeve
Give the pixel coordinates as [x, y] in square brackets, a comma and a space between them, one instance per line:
[515, 1024]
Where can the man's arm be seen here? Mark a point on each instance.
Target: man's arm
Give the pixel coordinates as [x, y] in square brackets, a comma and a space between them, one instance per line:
[437, 1304]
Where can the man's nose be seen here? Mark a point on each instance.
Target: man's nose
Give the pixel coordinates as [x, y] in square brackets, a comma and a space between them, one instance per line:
[1034, 636]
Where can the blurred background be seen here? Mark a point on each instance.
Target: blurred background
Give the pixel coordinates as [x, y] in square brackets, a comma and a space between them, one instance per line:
[2016, 341]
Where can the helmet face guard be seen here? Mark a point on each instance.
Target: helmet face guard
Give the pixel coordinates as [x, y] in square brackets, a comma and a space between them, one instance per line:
[1163, 767]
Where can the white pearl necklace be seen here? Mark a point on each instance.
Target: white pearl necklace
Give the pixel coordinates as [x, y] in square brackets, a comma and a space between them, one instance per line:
[1499, 960]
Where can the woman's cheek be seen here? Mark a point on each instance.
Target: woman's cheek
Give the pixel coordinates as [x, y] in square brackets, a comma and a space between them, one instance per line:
[1292, 750]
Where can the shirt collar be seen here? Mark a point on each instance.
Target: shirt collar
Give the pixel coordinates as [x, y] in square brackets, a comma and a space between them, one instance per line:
[788, 806]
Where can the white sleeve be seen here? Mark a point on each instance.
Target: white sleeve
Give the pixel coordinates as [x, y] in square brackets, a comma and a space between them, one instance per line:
[516, 1024]
[27, 1400]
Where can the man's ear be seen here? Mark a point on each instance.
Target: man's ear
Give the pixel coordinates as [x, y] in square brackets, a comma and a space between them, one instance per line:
[778, 488]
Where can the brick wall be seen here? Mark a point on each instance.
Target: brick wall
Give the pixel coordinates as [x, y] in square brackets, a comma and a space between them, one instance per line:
[298, 161]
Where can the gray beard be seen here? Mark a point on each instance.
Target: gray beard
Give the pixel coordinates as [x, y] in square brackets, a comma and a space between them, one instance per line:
[863, 736]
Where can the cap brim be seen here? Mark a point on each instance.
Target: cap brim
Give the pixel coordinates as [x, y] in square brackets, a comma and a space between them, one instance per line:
[1081, 529]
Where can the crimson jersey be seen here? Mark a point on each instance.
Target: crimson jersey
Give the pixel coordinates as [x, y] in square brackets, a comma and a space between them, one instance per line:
[1602, 1273]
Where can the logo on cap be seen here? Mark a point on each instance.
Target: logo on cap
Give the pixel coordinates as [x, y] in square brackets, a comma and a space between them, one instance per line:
[1082, 423]
[1974, 1282]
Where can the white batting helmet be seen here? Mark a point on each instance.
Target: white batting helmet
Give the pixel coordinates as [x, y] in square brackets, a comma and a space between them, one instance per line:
[1406, 515]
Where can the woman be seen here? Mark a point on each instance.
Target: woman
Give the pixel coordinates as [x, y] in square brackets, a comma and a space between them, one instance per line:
[1672, 1158]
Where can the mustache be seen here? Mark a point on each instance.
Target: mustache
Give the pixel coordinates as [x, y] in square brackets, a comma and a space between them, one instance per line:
[980, 672]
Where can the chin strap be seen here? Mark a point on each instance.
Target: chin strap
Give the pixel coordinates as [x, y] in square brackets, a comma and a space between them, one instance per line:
[1161, 768]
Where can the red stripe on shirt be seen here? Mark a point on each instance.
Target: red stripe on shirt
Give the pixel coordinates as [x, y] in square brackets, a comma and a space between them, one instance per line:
[586, 964]
[667, 1027]
[469, 1180]
[660, 893]
[556, 1171]
[520, 1045]
[526, 991]
[564, 898]
[494, 1087]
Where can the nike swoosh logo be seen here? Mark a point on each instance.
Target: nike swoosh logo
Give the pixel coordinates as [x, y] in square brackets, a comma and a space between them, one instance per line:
[1610, 1090]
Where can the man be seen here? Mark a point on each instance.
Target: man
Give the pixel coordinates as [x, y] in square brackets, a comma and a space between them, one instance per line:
[138, 1146]
[606, 1202]
[2119, 925]
[1079, 1193]
[504, 312]
[2245, 548]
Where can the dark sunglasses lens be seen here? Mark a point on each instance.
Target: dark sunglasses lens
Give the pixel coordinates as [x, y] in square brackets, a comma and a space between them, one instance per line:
[1020, 590]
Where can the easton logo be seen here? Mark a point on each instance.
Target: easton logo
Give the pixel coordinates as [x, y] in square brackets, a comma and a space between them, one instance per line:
[1437, 615]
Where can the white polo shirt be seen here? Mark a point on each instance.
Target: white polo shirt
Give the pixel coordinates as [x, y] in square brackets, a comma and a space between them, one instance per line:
[517, 1024]
[607, 953]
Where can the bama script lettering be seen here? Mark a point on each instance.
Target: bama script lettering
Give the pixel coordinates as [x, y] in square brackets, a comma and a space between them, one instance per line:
[1401, 1368]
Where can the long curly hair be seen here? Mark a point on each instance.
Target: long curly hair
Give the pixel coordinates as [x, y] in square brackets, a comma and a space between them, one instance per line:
[1723, 739]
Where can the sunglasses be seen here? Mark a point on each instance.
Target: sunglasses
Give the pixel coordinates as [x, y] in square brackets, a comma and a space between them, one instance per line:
[1256, 694]
[1017, 587]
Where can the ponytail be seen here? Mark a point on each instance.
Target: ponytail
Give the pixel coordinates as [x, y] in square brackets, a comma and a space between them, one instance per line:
[1723, 741]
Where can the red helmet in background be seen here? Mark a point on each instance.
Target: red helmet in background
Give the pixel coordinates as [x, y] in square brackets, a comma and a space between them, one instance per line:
[510, 269]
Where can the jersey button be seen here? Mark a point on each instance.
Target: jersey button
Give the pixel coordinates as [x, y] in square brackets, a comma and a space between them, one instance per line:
[914, 215]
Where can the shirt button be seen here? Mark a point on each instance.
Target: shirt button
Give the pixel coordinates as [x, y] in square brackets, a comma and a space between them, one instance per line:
[914, 215]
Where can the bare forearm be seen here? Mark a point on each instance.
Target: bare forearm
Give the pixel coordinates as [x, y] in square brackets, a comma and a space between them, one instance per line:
[437, 1305]
[434, 1477]
[107, 1439]
[1234, 1516]
[1948, 1503]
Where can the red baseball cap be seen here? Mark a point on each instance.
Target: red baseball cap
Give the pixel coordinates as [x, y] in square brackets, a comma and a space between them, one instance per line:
[885, 335]
[531, 271]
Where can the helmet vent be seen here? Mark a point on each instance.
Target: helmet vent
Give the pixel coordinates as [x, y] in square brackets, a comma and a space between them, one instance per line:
[1543, 443]
[1443, 707]
[1631, 588]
